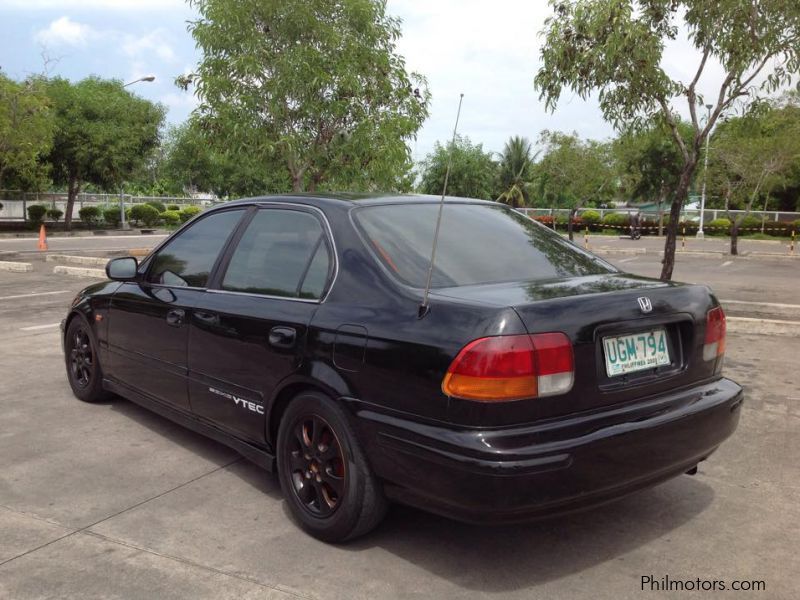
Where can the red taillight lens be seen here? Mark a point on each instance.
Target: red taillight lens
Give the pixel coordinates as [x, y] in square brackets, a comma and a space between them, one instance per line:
[714, 344]
[511, 367]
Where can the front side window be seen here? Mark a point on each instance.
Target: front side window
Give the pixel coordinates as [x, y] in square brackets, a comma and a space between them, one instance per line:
[187, 259]
[283, 253]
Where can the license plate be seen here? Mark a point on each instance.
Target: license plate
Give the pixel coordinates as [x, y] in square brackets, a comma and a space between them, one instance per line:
[636, 352]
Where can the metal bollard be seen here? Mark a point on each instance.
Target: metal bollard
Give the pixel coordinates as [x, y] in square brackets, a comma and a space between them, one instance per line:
[586, 238]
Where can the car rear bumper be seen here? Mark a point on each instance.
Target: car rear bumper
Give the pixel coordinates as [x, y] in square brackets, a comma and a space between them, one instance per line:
[519, 473]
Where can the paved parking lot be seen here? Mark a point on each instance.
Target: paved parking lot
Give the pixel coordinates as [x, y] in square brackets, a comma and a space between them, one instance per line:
[111, 501]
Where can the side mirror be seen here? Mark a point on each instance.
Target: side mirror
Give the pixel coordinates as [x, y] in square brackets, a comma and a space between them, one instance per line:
[122, 269]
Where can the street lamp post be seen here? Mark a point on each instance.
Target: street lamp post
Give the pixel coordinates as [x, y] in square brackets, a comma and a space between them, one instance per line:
[123, 224]
[147, 78]
[700, 233]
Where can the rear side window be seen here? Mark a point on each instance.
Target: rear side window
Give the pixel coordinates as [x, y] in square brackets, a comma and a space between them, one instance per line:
[478, 244]
[282, 253]
[188, 258]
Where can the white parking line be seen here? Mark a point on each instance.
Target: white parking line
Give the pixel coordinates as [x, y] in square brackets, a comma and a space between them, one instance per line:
[628, 259]
[33, 294]
[727, 262]
[37, 327]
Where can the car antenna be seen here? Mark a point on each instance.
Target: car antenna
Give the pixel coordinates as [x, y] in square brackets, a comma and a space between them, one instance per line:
[424, 308]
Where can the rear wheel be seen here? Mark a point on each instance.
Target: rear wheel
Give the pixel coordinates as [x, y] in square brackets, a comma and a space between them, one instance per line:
[331, 490]
[83, 364]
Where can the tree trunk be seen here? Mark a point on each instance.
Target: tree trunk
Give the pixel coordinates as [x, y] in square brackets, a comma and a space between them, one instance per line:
[73, 187]
[297, 182]
[681, 193]
[570, 225]
[735, 237]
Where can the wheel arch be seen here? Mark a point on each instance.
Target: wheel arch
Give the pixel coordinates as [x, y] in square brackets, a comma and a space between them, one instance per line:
[283, 397]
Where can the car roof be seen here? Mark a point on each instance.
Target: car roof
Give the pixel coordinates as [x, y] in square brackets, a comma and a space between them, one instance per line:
[343, 199]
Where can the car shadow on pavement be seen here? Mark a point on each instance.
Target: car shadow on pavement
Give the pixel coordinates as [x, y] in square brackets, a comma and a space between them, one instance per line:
[511, 557]
[496, 558]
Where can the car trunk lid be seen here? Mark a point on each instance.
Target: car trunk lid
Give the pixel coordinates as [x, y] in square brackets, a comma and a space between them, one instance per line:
[616, 308]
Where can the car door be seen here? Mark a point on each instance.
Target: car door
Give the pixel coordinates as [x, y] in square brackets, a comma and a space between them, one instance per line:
[248, 331]
[148, 319]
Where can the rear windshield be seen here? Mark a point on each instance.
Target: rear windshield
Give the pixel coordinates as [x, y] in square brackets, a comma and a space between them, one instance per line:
[478, 244]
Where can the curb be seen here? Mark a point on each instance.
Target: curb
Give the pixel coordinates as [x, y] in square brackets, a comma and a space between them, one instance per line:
[15, 267]
[790, 311]
[77, 260]
[79, 272]
[627, 251]
[763, 326]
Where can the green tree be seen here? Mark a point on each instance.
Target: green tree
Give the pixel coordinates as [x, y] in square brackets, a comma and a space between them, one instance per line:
[102, 134]
[516, 171]
[473, 173]
[197, 160]
[26, 132]
[615, 48]
[316, 85]
[649, 164]
[573, 173]
[754, 155]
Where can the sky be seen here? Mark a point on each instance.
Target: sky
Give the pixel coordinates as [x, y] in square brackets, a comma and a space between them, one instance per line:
[487, 50]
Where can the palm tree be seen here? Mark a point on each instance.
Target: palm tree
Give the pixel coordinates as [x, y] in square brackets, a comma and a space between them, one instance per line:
[516, 164]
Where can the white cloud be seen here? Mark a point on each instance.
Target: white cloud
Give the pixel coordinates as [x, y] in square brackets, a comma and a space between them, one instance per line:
[154, 42]
[64, 32]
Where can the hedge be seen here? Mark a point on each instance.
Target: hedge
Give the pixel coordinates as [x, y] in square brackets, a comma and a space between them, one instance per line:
[112, 216]
[591, 218]
[145, 213]
[188, 212]
[721, 226]
[91, 216]
[170, 217]
[36, 212]
[617, 220]
[159, 206]
[54, 214]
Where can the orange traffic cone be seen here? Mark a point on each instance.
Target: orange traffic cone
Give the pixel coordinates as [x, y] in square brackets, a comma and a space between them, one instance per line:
[42, 238]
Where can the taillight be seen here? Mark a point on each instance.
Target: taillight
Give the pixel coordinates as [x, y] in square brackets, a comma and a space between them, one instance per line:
[714, 345]
[511, 367]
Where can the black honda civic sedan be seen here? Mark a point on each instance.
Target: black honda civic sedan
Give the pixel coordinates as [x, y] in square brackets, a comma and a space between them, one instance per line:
[536, 379]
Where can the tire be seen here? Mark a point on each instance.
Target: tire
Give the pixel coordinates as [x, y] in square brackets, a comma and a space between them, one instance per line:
[329, 487]
[82, 362]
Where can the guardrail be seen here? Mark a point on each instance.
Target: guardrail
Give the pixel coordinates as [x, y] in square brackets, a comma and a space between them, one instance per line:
[687, 214]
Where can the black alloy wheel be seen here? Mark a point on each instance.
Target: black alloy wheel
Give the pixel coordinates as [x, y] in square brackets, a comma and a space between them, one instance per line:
[317, 465]
[81, 357]
[328, 484]
[84, 372]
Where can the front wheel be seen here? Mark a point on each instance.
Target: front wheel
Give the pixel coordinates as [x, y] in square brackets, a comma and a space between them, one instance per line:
[330, 488]
[83, 364]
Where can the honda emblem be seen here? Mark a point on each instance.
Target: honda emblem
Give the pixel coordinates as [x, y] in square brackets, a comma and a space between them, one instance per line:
[645, 304]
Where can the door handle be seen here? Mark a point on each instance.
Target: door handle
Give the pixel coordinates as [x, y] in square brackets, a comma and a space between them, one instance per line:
[282, 337]
[206, 318]
[175, 317]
